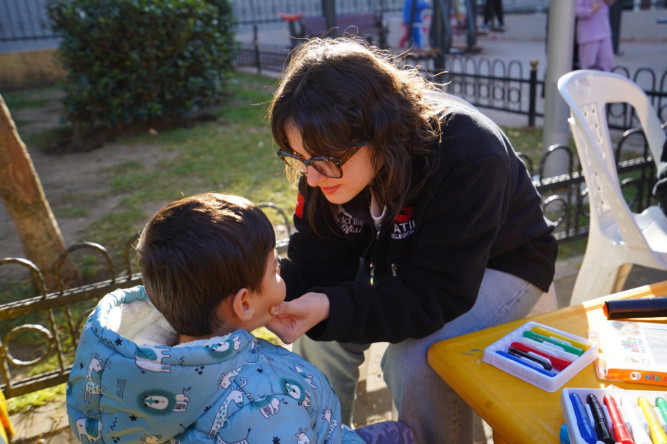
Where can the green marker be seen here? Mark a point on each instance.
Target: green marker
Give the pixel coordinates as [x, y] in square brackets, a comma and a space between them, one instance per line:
[560, 343]
[661, 404]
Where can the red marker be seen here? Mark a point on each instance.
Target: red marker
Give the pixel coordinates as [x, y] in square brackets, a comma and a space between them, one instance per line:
[557, 363]
[620, 432]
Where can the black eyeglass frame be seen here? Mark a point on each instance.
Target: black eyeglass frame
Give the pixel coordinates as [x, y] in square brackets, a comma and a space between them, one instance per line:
[337, 161]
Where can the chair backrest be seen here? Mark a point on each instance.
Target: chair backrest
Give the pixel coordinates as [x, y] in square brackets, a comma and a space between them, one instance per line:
[586, 93]
[594, 89]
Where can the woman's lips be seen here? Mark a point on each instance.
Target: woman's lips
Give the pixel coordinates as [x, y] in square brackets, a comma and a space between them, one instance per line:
[330, 190]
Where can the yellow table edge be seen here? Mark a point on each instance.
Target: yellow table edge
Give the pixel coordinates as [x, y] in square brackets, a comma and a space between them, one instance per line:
[457, 358]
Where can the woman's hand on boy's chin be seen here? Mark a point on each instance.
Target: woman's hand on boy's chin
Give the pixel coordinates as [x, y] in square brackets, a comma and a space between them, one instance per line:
[294, 318]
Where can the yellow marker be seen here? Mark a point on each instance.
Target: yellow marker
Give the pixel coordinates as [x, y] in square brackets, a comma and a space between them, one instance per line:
[657, 434]
[547, 333]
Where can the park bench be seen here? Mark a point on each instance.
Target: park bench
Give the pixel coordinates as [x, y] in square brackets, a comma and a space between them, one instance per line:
[368, 25]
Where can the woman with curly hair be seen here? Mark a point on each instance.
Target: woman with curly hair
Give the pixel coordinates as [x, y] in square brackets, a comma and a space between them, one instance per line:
[415, 221]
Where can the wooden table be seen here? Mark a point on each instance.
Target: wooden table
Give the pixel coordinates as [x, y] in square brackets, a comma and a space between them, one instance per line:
[518, 411]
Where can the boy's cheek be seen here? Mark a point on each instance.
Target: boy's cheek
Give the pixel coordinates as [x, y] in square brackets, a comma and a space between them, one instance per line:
[283, 290]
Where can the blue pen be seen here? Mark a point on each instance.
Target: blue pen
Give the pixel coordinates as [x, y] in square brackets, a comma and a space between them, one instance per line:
[585, 428]
[527, 363]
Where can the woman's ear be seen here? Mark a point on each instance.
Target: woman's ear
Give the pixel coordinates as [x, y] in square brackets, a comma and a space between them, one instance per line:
[242, 305]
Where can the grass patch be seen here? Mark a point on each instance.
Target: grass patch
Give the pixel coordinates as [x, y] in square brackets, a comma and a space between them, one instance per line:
[264, 333]
[527, 141]
[572, 248]
[48, 140]
[30, 401]
[28, 99]
[12, 291]
[72, 212]
[205, 157]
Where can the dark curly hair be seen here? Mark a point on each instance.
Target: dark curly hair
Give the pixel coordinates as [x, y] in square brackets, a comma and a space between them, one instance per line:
[344, 92]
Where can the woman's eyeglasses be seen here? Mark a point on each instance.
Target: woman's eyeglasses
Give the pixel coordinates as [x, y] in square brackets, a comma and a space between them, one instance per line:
[328, 166]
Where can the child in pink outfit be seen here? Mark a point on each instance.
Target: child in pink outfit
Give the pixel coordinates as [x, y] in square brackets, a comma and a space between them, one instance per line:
[594, 34]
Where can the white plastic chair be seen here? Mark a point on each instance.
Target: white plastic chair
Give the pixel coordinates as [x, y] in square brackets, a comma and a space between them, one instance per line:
[618, 238]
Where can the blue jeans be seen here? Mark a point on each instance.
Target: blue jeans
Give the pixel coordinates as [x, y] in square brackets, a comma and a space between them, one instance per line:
[433, 411]
[386, 432]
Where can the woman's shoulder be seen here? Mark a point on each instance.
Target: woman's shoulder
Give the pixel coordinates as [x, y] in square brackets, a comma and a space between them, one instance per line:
[463, 115]
[468, 133]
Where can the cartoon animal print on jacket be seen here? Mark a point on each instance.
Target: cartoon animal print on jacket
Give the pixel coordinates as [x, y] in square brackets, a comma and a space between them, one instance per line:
[92, 387]
[219, 440]
[269, 406]
[90, 428]
[221, 417]
[327, 415]
[301, 437]
[305, 376]
[150, 358]
[228, 345]
[228, 378]
[296, 390]
[160, 402]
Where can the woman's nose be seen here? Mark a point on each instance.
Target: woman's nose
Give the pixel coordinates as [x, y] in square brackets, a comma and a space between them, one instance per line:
[314, 177]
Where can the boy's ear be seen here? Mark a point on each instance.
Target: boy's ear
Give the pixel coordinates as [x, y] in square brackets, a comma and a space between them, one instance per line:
[242, 305]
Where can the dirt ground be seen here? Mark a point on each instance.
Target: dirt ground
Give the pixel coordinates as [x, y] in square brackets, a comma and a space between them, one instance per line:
[70, 180]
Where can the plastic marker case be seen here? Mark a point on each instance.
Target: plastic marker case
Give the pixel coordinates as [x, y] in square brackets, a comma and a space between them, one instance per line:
[544, 340]
[628, 406]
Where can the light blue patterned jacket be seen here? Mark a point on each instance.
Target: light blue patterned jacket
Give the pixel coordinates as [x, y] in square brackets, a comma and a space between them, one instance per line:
[128, 385]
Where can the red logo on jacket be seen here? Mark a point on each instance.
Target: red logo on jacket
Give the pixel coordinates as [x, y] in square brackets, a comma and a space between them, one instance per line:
[299, 206]
[405, 215]
[404, 226]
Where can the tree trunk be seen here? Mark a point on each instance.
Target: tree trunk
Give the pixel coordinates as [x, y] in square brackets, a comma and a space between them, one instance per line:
[23, 196]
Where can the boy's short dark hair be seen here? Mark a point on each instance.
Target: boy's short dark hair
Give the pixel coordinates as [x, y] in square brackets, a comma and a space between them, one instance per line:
[199, 250]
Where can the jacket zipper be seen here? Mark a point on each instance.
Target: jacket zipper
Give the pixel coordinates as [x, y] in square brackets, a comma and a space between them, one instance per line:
[371, 267]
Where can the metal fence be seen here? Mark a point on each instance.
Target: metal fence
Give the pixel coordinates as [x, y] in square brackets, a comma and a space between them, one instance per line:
[28, 20]
[24, 20]
[508, 86]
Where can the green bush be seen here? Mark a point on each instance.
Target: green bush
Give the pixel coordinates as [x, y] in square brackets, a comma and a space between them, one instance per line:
[141, 61]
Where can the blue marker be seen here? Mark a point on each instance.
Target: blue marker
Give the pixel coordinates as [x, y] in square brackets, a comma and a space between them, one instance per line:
[585, 428]
[527, 363]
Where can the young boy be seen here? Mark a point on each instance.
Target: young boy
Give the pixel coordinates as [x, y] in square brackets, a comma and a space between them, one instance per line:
[173, 361]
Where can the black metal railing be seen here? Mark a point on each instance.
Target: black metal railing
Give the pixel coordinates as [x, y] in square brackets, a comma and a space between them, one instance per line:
[496, 84]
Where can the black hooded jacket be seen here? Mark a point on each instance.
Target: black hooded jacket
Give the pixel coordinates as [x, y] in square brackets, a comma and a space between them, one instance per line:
[478, 210]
